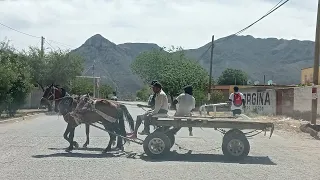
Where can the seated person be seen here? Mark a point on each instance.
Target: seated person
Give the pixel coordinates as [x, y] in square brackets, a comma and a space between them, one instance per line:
[161, 107]
[186, 103]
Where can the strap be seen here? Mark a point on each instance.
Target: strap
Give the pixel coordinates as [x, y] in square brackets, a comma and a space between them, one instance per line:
[105, 116]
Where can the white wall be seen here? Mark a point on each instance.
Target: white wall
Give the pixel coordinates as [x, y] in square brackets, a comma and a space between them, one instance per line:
[262, 102]
[303, 99]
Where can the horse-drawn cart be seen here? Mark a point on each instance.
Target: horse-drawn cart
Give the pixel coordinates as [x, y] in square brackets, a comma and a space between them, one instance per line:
[235, 144]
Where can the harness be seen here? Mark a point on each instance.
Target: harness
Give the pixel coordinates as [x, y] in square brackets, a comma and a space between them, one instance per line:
[92, 107]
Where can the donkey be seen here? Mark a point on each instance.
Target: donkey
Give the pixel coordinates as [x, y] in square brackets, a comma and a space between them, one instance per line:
[66, 104]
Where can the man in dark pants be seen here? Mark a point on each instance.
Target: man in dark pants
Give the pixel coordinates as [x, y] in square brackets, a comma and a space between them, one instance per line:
[237, 101]
[161, 107]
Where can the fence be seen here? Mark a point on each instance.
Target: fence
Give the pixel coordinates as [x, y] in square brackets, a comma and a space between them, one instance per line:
[33, 100]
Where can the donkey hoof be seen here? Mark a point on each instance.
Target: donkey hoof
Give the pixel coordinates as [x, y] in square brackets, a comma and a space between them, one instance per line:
[106, 150]
[85, 145]
[119, 148]
[68, 149]
[75, 144]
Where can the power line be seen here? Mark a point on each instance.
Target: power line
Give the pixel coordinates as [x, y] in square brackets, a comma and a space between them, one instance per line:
[49, 44]
[63, 44]
[277, 6]
[27, 34]
[19, 31]
[268, 13]
[203, 54]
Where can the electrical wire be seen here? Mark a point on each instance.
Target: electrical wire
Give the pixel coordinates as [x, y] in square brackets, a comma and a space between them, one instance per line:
[38, 37]
[277, 6]
[19, 31]
[49, 45]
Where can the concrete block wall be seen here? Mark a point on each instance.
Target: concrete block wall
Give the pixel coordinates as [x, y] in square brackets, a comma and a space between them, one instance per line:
[303, 99]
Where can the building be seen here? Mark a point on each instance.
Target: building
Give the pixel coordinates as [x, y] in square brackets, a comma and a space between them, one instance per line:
[264, 99]
[307, 75]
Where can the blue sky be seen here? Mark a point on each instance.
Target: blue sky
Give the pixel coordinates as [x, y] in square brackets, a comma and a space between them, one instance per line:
[186, 23]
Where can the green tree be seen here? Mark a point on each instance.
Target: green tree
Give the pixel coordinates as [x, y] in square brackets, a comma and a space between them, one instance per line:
[58, 67]
[144, 93]
[233, 76]
[173, 69]
[14, 79]
[83, 86]
[105, 91]
[217, 97]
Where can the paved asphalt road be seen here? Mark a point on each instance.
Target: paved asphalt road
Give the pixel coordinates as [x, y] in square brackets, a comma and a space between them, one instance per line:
[34, 149]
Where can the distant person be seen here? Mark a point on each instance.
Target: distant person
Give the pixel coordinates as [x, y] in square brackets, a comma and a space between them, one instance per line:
[114, 96]
[186, 103]
[237, 101]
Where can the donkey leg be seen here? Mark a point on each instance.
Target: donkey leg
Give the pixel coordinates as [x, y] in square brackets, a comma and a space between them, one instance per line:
[121, 131]
[71, 136]
[66, 133]
[120, 144]
[66, 137]
[87, 135]
[112, 138]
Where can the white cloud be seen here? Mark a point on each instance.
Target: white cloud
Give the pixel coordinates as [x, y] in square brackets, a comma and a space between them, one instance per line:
[189, 23]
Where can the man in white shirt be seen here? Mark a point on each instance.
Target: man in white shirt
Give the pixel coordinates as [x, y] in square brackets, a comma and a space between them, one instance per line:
[237, 101]
[186, 103]
[161, 107]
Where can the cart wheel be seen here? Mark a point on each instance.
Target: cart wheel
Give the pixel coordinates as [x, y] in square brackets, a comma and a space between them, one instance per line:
[169, 134]
[156, 145]
[171, 137]
[235, 145]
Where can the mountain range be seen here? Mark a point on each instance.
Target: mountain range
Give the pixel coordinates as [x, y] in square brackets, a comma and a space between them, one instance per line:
[279, 60]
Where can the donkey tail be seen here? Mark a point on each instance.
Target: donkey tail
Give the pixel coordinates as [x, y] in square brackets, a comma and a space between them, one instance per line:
[127, 116]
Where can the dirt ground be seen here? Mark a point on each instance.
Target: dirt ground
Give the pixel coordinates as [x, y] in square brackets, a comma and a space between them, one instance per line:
[283, 125]
[22, 112]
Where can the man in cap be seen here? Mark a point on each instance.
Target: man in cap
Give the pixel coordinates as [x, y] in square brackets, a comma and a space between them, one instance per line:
[186, 103]
[151, 101]
[160, 107]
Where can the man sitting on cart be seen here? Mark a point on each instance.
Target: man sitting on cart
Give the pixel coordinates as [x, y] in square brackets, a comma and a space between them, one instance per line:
[161, 107]
[186, 103]
[151, 101]
[237, 101]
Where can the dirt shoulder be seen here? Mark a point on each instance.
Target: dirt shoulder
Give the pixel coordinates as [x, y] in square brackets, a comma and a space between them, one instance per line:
[22, 113]
[285, 126]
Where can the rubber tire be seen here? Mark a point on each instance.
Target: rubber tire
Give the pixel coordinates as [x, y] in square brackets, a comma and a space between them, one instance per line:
[170, 135]
[235, 134]
[172, 138]
[164, 138]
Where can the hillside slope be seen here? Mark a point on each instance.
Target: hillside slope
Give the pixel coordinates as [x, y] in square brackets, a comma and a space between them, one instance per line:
[278, 59]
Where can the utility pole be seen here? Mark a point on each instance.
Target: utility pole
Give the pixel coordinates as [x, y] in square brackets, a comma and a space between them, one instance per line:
[94, 80]
[41, 56]
[211, 62]
[42, 47]
[316, 70]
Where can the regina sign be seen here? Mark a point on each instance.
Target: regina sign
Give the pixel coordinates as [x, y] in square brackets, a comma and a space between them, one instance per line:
[260, 102]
